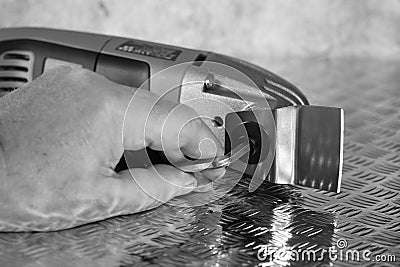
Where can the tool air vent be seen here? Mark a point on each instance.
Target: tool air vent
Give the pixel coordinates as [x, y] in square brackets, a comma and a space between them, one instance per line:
[16, 69]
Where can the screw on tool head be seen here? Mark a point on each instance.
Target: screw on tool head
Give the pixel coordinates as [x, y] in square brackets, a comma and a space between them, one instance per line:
[209, 82]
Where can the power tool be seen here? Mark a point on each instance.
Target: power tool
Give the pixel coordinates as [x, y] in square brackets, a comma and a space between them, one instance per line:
[290, 141]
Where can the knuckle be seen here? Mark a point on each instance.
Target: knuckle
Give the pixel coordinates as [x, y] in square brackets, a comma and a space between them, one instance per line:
[81, 74]
[80, 71]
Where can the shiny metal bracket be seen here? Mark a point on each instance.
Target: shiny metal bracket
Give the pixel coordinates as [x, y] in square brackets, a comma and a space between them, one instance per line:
[309, 147]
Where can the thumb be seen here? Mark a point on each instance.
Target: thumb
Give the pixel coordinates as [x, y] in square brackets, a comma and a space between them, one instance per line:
[138, 189]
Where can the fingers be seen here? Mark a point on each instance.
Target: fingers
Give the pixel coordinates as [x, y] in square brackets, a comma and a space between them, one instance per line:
[214, 174]
[137, 190]
[173, 128]
[161, 124]
[194, 137]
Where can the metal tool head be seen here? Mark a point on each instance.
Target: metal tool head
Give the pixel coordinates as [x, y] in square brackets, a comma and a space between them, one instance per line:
[308, 144]
[298, 145]
[309, 149]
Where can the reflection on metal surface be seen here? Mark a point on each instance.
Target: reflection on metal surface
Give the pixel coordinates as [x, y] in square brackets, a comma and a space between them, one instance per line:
[285, 162]
[227, 232]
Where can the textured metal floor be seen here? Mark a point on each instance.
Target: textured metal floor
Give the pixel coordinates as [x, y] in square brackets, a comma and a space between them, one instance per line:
[229, 232]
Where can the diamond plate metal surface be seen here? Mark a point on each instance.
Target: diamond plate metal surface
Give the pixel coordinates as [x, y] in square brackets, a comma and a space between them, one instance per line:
[229, 231]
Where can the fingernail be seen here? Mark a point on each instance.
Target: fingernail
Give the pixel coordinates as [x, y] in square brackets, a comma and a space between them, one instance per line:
[221, 172]
[191, 183]
[188, 187]
[204, 188]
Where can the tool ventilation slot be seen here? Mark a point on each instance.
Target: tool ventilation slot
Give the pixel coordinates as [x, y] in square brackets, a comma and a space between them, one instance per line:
[16, 69]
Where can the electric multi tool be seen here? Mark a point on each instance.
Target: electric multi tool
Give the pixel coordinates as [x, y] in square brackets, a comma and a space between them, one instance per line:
[267, 126]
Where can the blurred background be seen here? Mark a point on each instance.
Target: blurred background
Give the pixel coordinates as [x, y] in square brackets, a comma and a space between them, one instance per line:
[255, 30]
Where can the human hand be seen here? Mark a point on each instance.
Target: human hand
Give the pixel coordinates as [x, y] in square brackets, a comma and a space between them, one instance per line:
[61, 137]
